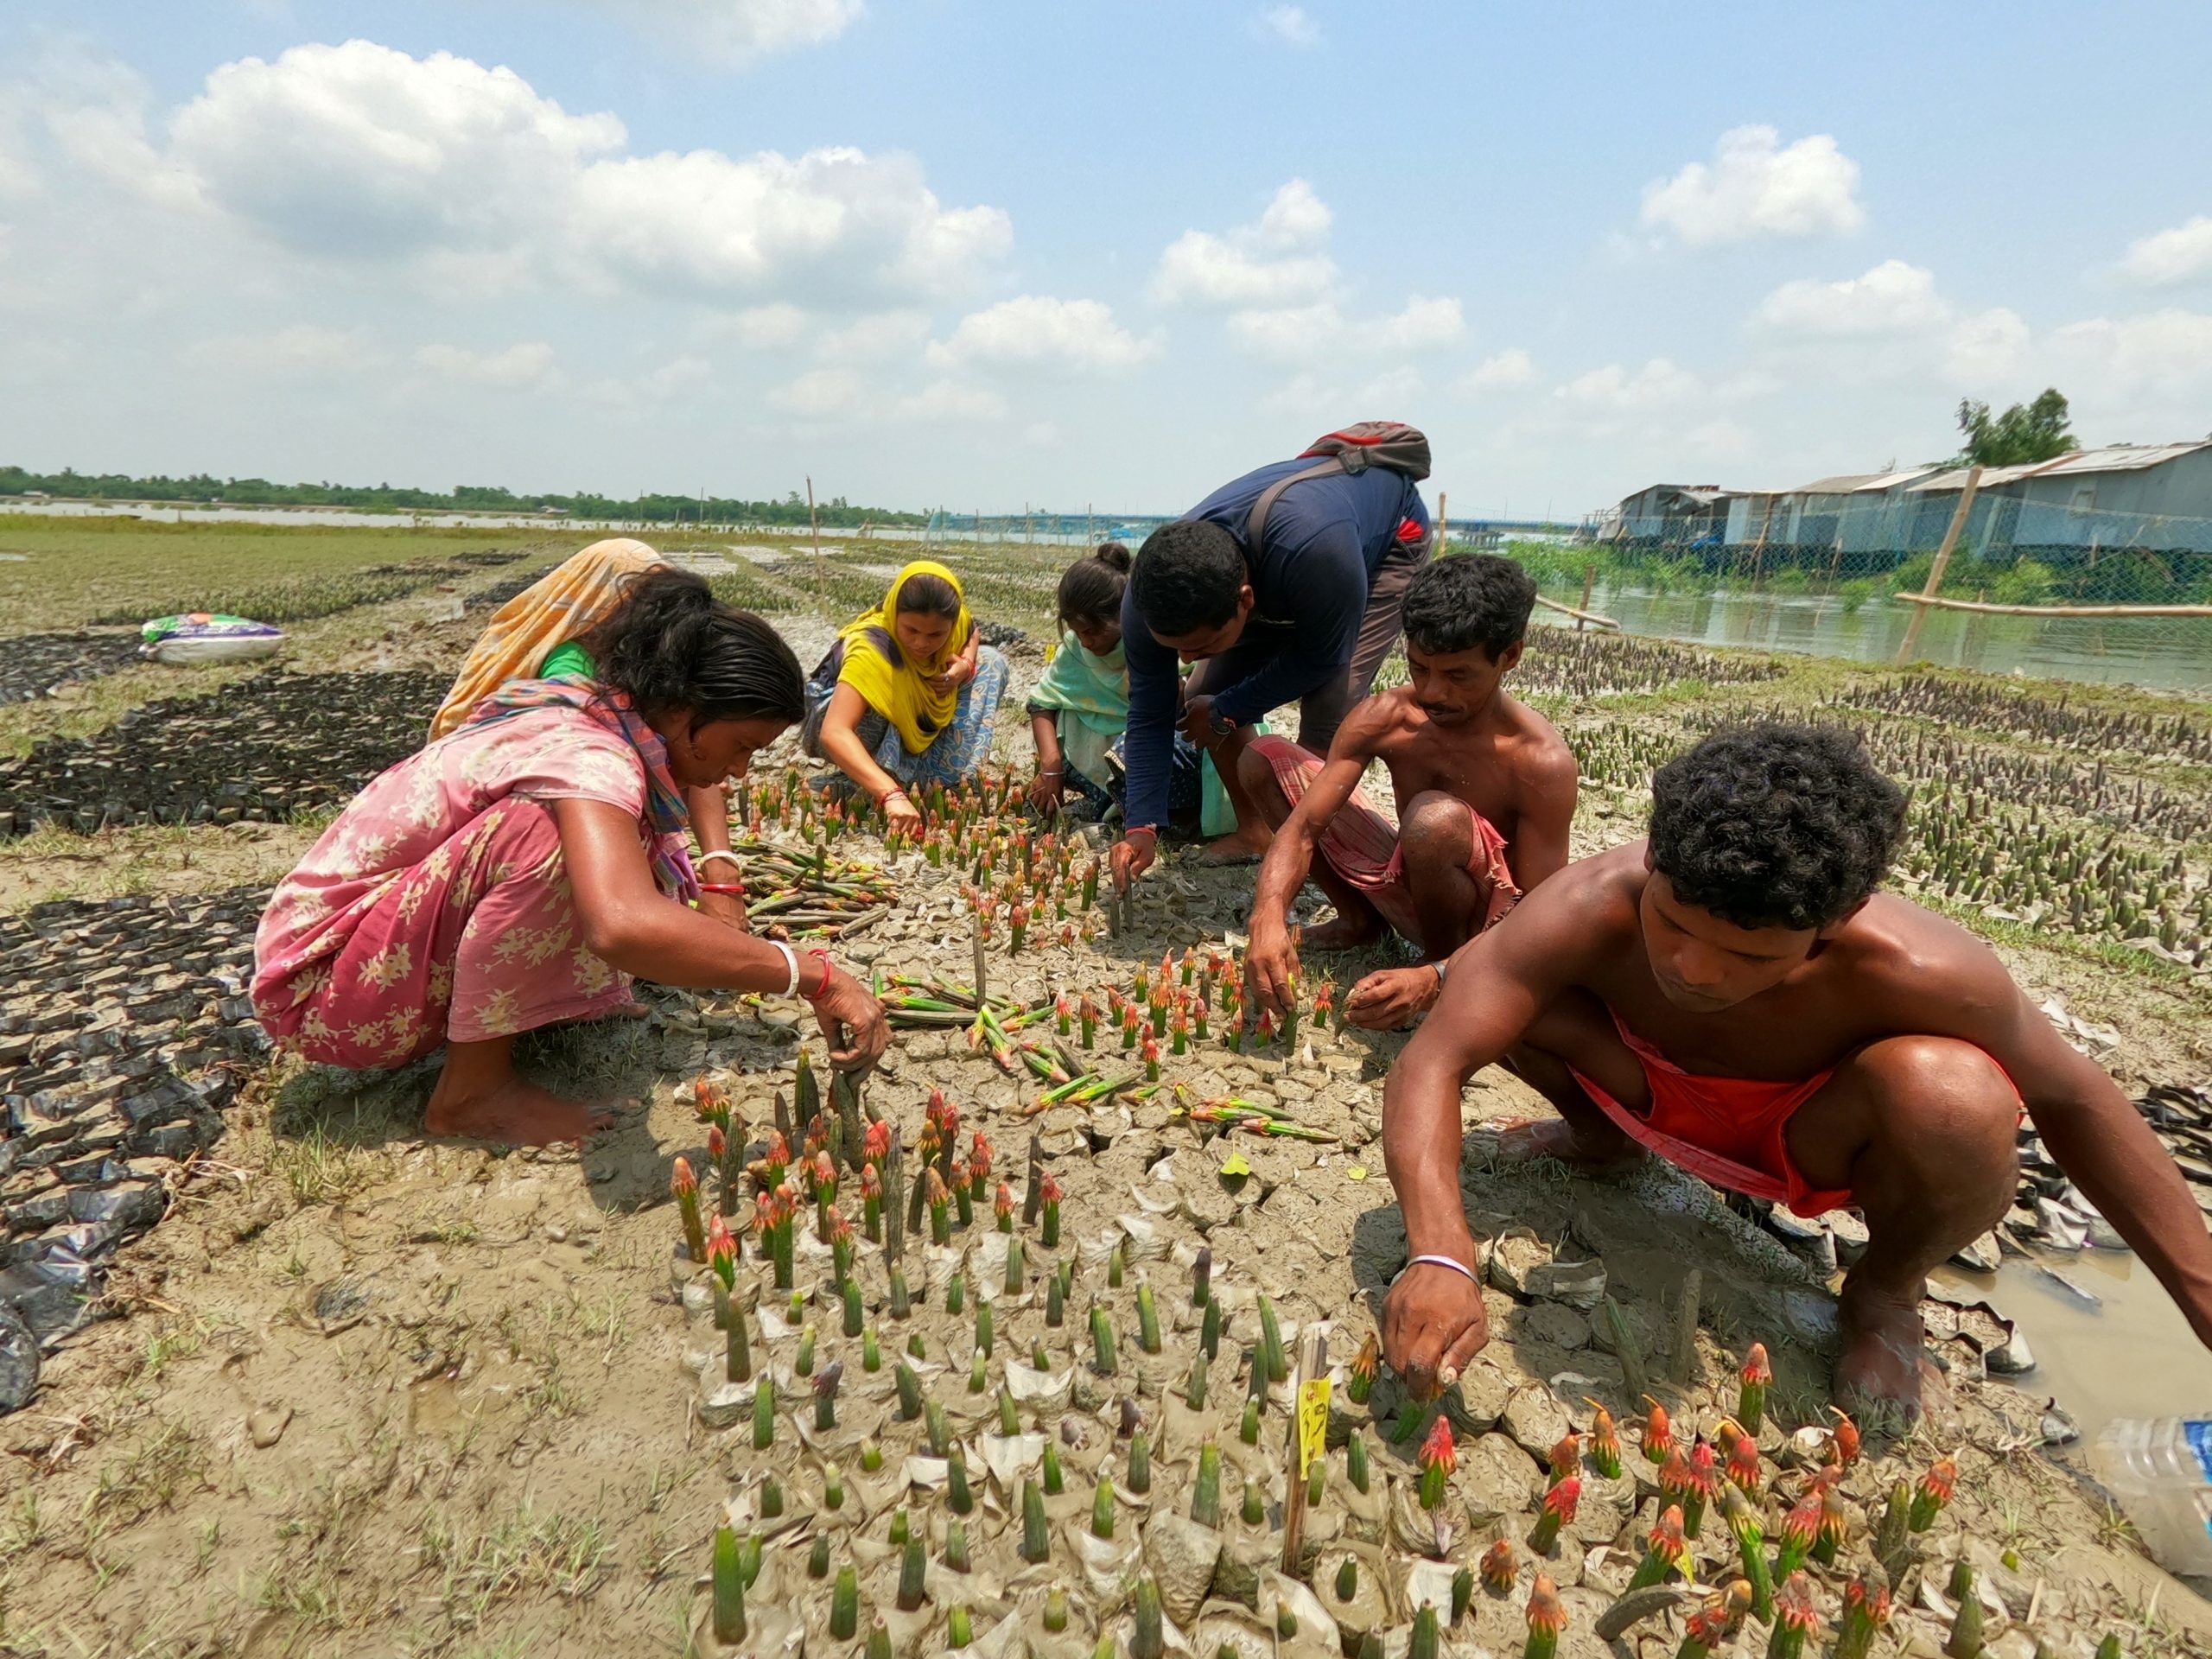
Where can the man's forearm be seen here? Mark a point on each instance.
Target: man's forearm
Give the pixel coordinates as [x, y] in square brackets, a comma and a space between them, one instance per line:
[1289, 860]
[2122, 1168]
[1420, 1151]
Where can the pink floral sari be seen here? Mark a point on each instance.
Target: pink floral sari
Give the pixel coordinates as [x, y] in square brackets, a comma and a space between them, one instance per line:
[437, 907]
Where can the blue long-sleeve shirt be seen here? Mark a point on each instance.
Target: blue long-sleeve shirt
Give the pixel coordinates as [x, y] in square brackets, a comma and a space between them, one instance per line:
[1320, 548]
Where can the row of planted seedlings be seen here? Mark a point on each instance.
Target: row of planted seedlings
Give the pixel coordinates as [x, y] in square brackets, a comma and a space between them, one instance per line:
[1957, 703]
[1068, 1048]
[2042, 857]
[969, 1426]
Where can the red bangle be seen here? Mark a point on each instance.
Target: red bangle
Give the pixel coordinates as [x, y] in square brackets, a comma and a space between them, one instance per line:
[735, 888]
[822, 956]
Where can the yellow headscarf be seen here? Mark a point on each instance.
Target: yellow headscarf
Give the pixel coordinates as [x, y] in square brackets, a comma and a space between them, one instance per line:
[889, 682]
[568, 600]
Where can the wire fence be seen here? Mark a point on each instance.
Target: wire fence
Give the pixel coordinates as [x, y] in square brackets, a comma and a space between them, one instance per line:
[1824, 576]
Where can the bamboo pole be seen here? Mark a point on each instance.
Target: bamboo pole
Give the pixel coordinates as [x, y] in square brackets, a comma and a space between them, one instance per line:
[1313, 1364]
[2052, 610]
[1951, 535]
[814, 529]
[1443, 520]
[1589, 581]
[1591, 617]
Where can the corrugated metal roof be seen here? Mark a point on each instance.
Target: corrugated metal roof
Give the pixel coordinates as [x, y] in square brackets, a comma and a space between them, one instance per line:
[1956, 479]
[2118, 458]
[1842, 484]
[1891, 480]
[2113, 458]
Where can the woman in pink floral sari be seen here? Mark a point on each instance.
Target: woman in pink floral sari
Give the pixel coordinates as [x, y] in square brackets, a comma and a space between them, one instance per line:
[519, 870]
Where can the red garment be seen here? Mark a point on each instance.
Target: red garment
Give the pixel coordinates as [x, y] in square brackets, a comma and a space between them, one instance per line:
[1730, 1131]
[1361, 844]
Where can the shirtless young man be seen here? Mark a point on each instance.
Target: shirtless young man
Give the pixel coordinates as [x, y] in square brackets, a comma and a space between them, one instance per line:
[1734, 995]
[1485, 791]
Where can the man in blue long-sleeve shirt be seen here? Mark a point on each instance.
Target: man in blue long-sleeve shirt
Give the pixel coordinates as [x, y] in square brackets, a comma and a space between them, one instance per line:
[1304, 616]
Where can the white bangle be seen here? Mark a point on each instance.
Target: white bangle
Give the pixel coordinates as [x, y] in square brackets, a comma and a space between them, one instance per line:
[791, 961]
[1451, 1261]
[708, 858]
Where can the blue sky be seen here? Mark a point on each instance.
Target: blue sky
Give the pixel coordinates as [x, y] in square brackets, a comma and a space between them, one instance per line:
[946, 252]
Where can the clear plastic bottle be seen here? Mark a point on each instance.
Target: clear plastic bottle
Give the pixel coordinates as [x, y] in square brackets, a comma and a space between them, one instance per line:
[2160, 1470]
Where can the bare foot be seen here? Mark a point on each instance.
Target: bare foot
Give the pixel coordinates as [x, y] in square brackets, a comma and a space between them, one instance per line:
[1885, 1368]
[1238, 847]
[512, 1113]
[1592, 1153]
[1341, 933]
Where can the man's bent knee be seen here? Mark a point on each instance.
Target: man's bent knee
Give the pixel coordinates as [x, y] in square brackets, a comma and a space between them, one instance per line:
[1946, 1118]
[1941, 1074]
[1257, 774]
[1434, 826]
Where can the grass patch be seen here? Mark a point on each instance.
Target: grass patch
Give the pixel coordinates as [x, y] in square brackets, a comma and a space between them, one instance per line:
[167, 1463]
[533, 1553]
[82, 570]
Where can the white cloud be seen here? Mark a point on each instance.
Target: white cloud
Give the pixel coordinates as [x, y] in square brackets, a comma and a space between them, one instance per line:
[1506, 371]
[1296, 334]
[1892, 298]
[821, 394]
[950, 400]
[845, 398]
[527, 363]
[1425, 325]
[357, 150]
[835, 222]
[1985, 346]
[769, 328]
[2164, 353]
[738, 31]
[1039, 331]
[297, 350]
[1660, 384]
[360, 153]
[679, 375]
[1891, 323]
[1291, 25]
[2182, 254]
[1756, 187]
[881, 336]
[1272, 262]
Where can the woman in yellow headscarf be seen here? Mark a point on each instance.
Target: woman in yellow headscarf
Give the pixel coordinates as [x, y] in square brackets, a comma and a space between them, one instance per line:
[908, 694]
[538, 635]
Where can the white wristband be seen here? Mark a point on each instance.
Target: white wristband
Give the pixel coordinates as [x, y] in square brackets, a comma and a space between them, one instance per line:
[708, 858]
[791, 961]
[1451, 1261]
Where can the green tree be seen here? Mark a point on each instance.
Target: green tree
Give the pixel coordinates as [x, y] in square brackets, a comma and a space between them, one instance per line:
[2025, 432]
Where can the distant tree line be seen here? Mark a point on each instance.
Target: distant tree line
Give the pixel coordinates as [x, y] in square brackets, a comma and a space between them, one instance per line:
[201, 489]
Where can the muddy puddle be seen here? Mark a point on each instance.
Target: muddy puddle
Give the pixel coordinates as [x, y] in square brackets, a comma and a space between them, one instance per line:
[2132, 1356]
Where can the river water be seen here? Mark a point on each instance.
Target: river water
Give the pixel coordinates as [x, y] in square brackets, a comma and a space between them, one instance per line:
[2135, 1356]
[2160, 653]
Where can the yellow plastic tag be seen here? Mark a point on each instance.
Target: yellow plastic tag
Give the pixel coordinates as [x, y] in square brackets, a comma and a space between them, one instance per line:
[1313, 1423]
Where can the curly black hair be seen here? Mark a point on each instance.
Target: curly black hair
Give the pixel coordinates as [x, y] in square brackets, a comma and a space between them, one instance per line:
[673, 645]
[1187, 577]
[1775, 825]
[1468, 600]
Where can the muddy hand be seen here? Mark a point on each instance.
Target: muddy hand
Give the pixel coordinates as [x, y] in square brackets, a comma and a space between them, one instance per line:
[1386, 1000]
[1270, 963]
[853, 1021]
[1131, 857]
[1434, 1322]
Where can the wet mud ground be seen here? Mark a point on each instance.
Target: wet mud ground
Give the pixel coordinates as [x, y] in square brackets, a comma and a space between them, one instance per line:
[362, 1394]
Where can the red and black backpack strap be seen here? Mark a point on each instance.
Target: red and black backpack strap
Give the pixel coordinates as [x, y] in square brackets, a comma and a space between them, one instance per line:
[1391, 445]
